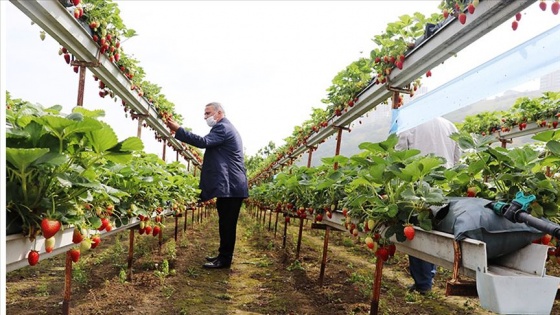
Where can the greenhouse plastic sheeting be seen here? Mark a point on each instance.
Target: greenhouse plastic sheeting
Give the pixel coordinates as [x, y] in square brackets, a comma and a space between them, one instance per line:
[528, 61]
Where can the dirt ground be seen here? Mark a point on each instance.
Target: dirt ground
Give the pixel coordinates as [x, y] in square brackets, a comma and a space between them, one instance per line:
[265, 278]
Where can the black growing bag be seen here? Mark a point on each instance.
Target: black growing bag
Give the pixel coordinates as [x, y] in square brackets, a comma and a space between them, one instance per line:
[466, 217]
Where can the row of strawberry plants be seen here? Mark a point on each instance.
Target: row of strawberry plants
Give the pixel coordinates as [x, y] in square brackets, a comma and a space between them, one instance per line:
[102, 21]
[392, 48]
[71, 171]
[543, 111]
[387, 191]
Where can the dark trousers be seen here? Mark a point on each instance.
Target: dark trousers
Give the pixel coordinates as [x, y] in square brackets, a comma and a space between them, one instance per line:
[422, 272]
[228, 213]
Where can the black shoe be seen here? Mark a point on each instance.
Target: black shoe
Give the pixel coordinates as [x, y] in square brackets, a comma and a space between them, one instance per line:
[211, 258]
[414, 288]
[217, 264]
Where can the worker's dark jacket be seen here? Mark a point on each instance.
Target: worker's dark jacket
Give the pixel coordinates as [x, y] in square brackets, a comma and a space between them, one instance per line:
[223, 167]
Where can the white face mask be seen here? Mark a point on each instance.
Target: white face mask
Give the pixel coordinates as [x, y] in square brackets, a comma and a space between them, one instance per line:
[211, 121]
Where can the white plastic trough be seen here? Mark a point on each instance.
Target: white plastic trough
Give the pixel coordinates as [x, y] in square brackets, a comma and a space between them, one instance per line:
[513, 284]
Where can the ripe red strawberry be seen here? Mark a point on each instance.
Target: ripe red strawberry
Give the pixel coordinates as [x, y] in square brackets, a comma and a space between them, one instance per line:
[445, 13]
[409, 232]
[49, 244]
[555, 124]
[329, 214]
[77, 236]
[156, 230]
[518, 16]
[149, 229]
[76, 2]
[555, 7]
[542, 5]
[545, 240]
[462, 18]
[75, 254]
[33, 257]
[95, 241]
[399, 64]
[49, 227]
[471, 8]
[471, 192]
[319, 217]
[514, 25]
[67, 58]
[429, 73]
[392, 250]
[382, 253]
[109, 227]
[76, 68]
[345, 212]
[104, 221]
[76, 13]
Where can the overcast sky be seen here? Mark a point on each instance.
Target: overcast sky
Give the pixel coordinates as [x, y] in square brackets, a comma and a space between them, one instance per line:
[268, 62]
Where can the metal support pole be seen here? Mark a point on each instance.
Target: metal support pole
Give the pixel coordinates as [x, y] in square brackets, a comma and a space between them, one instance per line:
[160, 240]
[192, 215]
[309, 155]
[139, 129]
[67, 284]
[376, 287]
[299, 238]
[130, 253]
[285, 231]
[81, 86]
[82, 78]
[164, 147]
[324, 260]
[176, 226]
[338, 140]
[276, 224]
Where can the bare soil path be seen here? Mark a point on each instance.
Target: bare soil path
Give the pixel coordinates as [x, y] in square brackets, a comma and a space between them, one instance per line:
[264, 279]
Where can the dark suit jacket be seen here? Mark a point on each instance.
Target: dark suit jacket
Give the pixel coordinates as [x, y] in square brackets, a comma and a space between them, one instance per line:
[223, 167]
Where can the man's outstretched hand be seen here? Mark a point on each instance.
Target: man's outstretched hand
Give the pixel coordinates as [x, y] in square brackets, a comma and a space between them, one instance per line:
[172, 124]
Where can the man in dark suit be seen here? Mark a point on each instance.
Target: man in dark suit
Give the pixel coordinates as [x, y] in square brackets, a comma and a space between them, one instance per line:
[223, 175]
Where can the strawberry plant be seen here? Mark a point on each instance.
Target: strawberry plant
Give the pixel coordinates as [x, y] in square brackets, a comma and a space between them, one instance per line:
[395, 187]
[499, 173]
[543, 111]
[72, 170]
